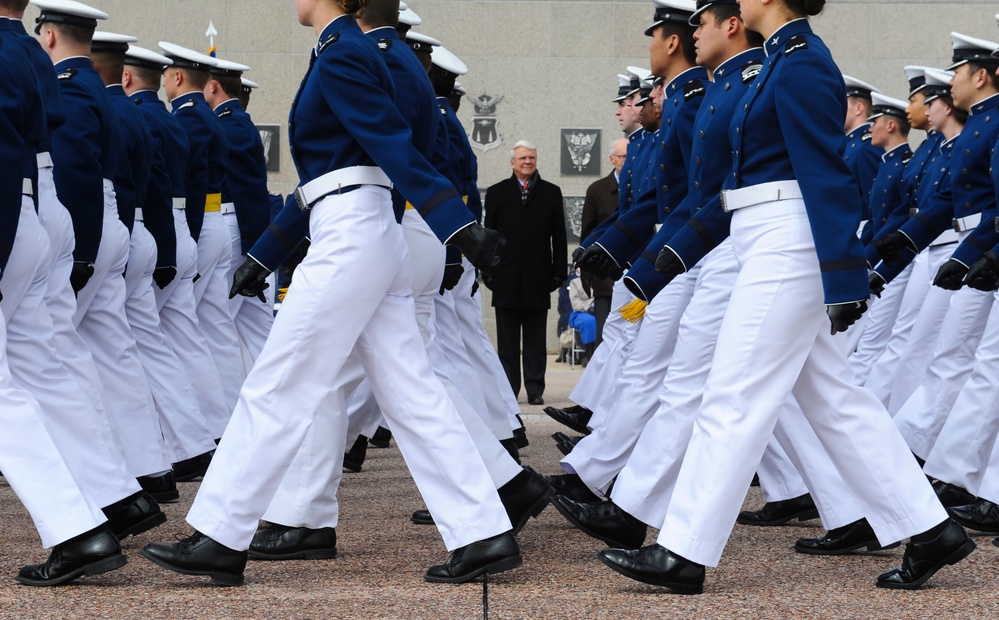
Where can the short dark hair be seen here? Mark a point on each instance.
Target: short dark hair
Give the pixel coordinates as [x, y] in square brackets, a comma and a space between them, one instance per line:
[380, 13]
[75, 34]
[684, 32]
[232, 86]
[14, 5]
[868, 104]
[990, 69]
[146, 76]
[198, 79]
[725, 12]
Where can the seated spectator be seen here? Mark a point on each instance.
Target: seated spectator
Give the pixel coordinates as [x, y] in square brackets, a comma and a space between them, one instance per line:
[582, 317]
[564, 310]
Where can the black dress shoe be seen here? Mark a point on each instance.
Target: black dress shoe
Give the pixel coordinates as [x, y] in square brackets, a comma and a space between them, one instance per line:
[422, 517]
[492, 555]
[658, 566]
[162, 488]
[90, 553]
[525, 496]
[353, 459]
[982, 516]
[951, 495]
[922, 559]
[535, 400]
[280, 542]
[511, 447]
[520, 438]
[192, 468]
[565, 448]
[801, 508]
[843, 540]
[575, 421]
[199, 555]
[381, 438]
[573, 409]
[604, 521]
[134, 515]
[571, 486]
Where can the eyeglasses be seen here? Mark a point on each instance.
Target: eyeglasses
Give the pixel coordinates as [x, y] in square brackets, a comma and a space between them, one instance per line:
[618, 156]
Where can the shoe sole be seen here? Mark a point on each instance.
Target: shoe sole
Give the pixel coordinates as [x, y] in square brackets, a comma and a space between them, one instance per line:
[563, 448]
[153, 520]
[871, 546]
[806, 515]
[191, 477]
[105, 565]
[165, 498]
[352, 468]
[536, 509]
[674, 587]
[421, 521]
[308, 554]
[613, 543]
[563, 422]
[379, 444]
[222, 579]
[499, 566]
[956, 556]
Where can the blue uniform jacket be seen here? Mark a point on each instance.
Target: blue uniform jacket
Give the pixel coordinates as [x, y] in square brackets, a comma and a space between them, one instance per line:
[344, 115]
[468, 165]
[785, 131]
[699, 223]
[889, 198]
[633, 230]
[131, 178]
[85, 151]
[208, 148]
[48, 86]
[244, 181]
[168, 175]
[969, 188]
[639, 144]
[864, 160]
[22, 123]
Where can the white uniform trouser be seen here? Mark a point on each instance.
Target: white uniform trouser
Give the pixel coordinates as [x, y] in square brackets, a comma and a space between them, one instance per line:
[308, 499]
[100, 321]
[989, 487]
[923, 414]
[29, 458]
[965, 443]
[179, 322]
[775, 341]
[184, 427]
[881, 319]
[253, 318]
[645, 486]
[604, 368]
[618, 423]
[211, 292]
[353, 292]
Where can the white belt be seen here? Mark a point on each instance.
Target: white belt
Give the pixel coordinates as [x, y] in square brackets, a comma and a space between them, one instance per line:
[26, 188]
[760, 194]
[962, 224]
[44, 160]
[947, 237]
[228, 207]
[334, 182]
[860, 230]
[180, 203]
[138, 214]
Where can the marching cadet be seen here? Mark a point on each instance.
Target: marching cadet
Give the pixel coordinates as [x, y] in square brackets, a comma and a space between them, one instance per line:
[176, 256]
[797, 253]
[247, 88]
[862, 156]
[184, 82]
[354, 271]
[85, 150]
[245, 202]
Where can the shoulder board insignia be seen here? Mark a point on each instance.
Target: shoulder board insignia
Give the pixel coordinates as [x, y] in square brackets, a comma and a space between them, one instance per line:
[795, 43]
[384, 44]
[189, 104]
[750, 71]
[225, 113]
[866, 137]
[906, 159]
[693, 88]
[67, 74]
[329, 41]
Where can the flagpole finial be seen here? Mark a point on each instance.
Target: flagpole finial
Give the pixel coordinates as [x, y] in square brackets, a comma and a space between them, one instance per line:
[212, 49]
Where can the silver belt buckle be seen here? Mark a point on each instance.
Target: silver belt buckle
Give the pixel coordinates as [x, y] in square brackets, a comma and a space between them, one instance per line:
[913, 211]
[724, 200]
[303, 204]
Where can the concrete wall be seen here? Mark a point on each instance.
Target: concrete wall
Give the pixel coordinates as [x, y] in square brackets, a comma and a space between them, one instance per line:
[553, 61]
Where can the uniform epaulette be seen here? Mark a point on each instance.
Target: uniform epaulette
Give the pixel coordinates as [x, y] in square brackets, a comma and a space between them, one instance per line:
[189, 104]
[225, 113]
[751, 70]
[384, 44]
[67, 74]
[905, 160]
[795, 43]
[693, 88]
[866, 137]
[328, 42]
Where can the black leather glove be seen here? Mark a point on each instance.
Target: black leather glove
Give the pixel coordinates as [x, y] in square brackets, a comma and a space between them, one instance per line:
[951, 275]
[984, 275]
[479, 245]
[877, 284]
[452, 273]
[556, 283]
[598, 262]
[669, 264]
[164, 276]
[577, 254]
[842, 316]
[890, 247]
[81, 274]
[250, 280]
